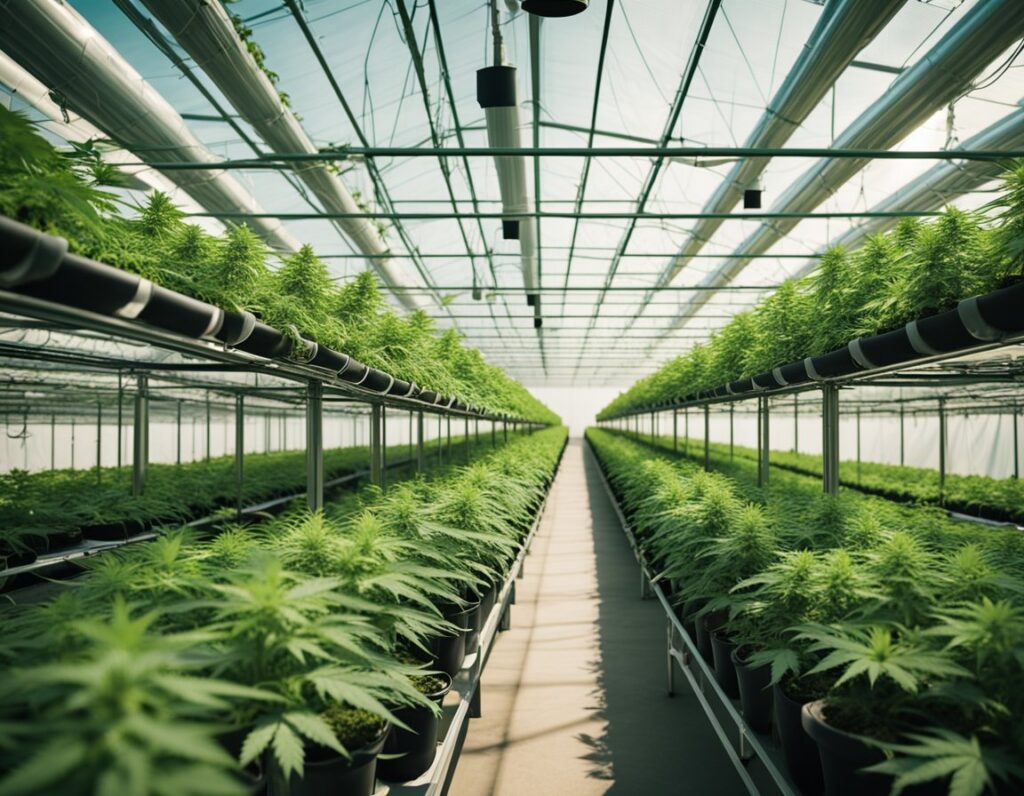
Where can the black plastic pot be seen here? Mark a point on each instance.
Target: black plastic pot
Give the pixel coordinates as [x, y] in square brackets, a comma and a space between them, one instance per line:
[475, 622]
[889, 348]
[843, 756]
[105, 532]
[945, 332]
[329, 359]
[794, 373]
[450, 651]
[835, 363]
[755, 692]
[27, 254]
[487, 600]
[179, 313]
[1001, 309]
[376, 381]
[706, 625]
[87, 284]
[417, 745]
[334, 774]
[354, 372]
[798, 748]
[725, 673]
[265, 341]
[236, 327]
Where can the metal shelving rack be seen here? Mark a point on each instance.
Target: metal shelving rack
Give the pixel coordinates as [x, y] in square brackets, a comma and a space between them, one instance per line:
[944, 375]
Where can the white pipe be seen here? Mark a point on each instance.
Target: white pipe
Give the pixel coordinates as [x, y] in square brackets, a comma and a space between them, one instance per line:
[206, 32]
[939, 77]
[844, 28]
[497, 95]
[64, 52]
[137, 176]
[942, 183]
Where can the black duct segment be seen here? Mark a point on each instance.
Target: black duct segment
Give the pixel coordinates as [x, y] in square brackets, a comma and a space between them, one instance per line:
[496, 86]
[555, 8]
[28, 255]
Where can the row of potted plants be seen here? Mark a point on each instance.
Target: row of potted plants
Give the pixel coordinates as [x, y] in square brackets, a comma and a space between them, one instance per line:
[282, 657]
[1000, 499]
[882, 643]
[173, 275]
[922, 289]
[51, 510]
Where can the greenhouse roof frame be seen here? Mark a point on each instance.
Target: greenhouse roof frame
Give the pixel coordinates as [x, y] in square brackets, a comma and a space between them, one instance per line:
[613, 197]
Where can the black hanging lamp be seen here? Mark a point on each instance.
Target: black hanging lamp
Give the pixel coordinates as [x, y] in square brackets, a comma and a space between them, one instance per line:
[555, 8]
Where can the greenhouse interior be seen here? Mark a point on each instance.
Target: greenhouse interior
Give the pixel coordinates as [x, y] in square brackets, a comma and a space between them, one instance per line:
[514, 397]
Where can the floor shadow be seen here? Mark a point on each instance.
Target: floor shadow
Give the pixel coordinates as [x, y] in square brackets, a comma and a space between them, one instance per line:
[652, 743]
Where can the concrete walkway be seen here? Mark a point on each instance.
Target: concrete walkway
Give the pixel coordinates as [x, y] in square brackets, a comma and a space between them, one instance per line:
[573, 697]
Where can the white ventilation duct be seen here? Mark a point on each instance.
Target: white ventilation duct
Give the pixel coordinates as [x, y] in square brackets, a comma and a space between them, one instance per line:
[497, 94]
[137, 176]
[940, 76]
[942, 183]
[61, 50]
[844, 28]
[206, 32]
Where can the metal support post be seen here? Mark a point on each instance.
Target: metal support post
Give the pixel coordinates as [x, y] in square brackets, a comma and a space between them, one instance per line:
[383, 447]
[494, 434]
[675, 431]
[858, 444]
[465, 441]
[177, 430]
[796, 424]
[476, 424]
[53, 442]
[731, 430]
[99, 443]
[942, 451]
[120, 416]
[1016, 444]
[239, 450]
[420, 462]
[763, 441]
[440, 439]
[707, 437]
[72, 443]
[506, 430]
[207, 427]
[376, 461]
[901, 435]
[140, 437]
[654, 428]
[448, 445]
[830, 438]
[686, 432]
[315, 446]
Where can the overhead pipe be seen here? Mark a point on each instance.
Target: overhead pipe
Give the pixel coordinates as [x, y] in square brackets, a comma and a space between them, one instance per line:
[940, 76]
[844, 28]
[136, 176]
[63, 51]
[497, 93]
[941, 183]
[207, 34]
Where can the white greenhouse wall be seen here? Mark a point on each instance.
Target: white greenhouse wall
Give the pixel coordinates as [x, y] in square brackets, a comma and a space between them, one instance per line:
[35, 447]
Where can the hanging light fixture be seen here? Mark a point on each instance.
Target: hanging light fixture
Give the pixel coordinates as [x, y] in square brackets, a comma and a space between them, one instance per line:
[555, 8]
[496, 92]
